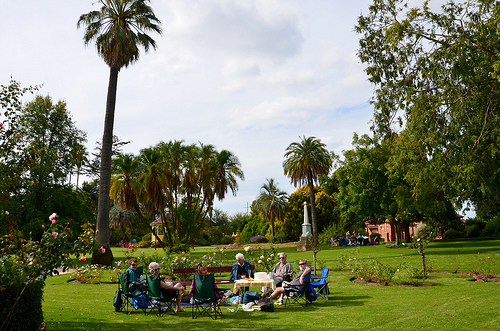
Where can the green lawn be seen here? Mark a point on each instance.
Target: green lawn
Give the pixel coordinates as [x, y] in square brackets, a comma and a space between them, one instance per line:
[454, 302]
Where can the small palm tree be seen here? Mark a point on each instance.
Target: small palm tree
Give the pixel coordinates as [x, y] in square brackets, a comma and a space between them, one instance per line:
[271, 202]
[119, 28]
[304, 162]
[121, 218]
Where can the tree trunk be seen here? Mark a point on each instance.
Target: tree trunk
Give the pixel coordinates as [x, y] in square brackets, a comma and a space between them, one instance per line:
[424, 267]
[406, 230]
[314, 222]
[102, 225]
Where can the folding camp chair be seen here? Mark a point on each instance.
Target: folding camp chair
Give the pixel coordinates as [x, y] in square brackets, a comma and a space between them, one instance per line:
[131, 293]
[156, 301]
[302, 296]
[205, 300]
[321, 285]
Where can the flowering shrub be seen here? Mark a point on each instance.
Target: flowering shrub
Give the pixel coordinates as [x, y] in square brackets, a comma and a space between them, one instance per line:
[263, 259]
[90, 274]
[26, 263]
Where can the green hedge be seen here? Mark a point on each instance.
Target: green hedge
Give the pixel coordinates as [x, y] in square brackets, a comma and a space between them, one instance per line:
[27, 313]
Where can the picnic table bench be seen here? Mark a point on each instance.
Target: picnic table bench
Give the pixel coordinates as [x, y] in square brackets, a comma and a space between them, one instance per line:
[184, 273]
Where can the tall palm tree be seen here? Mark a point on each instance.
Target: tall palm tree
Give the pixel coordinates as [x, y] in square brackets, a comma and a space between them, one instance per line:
[153, 180]
[304, 162]
[119, 28]
[271, 202]
[228, 169]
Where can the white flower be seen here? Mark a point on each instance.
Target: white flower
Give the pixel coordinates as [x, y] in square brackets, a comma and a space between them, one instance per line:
[260, 261]
[262, 257]
[247, 248]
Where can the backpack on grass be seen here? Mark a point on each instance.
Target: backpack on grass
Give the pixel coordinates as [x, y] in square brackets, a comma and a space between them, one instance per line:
[118, 300]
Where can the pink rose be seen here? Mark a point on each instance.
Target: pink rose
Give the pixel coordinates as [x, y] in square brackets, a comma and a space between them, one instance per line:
[103, 250]
[83, 258]
[53, 221]
[55, 234]
[7, 212]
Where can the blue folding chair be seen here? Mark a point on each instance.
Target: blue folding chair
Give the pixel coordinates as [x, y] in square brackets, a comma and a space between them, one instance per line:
[321, 285]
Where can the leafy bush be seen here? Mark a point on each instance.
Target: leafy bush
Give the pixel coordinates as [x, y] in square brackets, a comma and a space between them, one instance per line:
[278, 239]
[147, 238]
[27, 312]
[453, 234]
[332, 230]
[258, 239]
[26, 263]
[226, 240]
[144, 244]
[213, 234]
[492, 227]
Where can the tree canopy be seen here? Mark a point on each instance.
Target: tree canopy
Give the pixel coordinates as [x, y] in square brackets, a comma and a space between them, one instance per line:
[437, 82]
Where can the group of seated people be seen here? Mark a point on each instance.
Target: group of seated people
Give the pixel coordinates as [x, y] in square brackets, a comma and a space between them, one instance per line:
[281, 274]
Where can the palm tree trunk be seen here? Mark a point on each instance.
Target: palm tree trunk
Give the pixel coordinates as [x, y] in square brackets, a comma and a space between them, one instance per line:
[313, 209]
[102, 225]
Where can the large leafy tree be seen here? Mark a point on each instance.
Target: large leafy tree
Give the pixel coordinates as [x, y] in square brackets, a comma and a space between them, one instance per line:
[50, 137]
[304, 162]
[437, 79]
[271, 202]
[119, 29]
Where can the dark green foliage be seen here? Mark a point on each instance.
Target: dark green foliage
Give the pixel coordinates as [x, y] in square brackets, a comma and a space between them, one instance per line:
[436, 77]
[27, 313]
[453, 234]
[255, 226]
[492, 228]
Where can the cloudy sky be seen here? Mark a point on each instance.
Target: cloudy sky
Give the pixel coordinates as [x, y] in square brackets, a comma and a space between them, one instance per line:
[247, 76]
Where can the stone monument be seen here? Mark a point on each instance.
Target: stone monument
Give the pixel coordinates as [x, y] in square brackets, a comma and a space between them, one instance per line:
[305, 243]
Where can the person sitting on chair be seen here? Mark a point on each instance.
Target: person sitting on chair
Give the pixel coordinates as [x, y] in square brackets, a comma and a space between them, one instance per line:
[201, 269]
[241, 268]
[283, 271]
[136, 282]
[168, 291]
[298, 282]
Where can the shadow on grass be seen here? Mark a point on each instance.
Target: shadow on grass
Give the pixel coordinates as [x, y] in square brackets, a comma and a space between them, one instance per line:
[346, 300]
[228, 321]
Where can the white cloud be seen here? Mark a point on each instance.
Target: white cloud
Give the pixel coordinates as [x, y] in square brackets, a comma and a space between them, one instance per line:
[248, 76]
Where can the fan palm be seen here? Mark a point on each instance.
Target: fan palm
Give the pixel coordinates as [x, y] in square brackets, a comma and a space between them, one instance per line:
[119, 28]
[304, 162]
[271, 202]
[228, 169]
[121, 218]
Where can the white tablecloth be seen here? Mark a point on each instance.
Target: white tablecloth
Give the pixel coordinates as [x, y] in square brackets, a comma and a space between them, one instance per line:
[239, 284]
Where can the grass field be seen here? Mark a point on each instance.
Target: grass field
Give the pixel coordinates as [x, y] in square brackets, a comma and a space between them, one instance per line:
[453, 302]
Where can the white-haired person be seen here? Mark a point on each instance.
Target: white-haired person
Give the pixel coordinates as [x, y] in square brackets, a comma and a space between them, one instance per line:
[299, 282]
[241, 268]
[169, 292]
